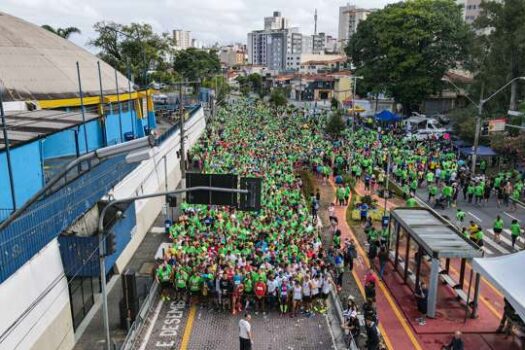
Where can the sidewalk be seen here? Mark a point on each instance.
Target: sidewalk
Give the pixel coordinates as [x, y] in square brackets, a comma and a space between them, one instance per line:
[477, 333]
[396, 331]
[142, 262]
[350, 285]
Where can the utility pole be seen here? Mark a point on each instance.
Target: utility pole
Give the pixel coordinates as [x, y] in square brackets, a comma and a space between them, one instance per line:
[7, 151]
[476, 135]
[182, 150]
[385, 194]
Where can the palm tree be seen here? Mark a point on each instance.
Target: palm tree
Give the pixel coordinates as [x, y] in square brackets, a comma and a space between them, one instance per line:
[62, 32]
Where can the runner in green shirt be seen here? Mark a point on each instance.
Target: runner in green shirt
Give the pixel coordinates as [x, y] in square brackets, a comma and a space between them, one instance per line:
[460, 215]
[470, 192]
[411, 202]
[478, 192]
[164, 278]
[498, 228]
[515, 231]
[430, 178]
[432, 192]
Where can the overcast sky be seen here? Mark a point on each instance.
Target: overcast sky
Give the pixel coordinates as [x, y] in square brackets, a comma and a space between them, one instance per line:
[225, 21]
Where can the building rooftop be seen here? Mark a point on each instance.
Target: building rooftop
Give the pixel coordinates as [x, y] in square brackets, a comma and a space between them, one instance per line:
[26, 126]
[36, 64]
[438, 237]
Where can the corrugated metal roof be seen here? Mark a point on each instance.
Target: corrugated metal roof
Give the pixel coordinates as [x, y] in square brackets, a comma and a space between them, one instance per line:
[26, 126]
[36, 64]
[435, 235]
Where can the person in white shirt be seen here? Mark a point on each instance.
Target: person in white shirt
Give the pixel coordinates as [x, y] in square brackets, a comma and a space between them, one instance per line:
[245, 332]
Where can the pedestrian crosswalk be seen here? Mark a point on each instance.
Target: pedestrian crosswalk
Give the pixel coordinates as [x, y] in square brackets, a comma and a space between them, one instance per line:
[506, 238]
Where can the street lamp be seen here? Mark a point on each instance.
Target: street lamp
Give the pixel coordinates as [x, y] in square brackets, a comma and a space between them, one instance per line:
[480, 106]
[102, 238]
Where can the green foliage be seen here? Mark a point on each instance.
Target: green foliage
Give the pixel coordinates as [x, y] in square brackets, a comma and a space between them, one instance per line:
[335, 125]
[251, 83]
[501, 49]
[464, 122]
[511, 147]
[62, 32]
[278, 97]
[367, 199]
[134, 47]
[309, 187]
[405, 48]
[193, 63]
[219, 84]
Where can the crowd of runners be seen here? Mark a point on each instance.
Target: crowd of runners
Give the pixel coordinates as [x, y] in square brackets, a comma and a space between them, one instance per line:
[274, 260]
[261, 261]
[435, 167]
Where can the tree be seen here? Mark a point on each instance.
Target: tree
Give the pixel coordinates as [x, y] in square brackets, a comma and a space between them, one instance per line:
[62, 32]
[278, 97]
[251, 83]
[134, 47]
[195, 64]
[406, 48]
[219, 84]
[335, 125]
[501, 25]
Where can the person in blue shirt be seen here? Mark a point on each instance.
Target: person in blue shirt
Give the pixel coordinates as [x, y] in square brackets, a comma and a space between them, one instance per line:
[363, 210]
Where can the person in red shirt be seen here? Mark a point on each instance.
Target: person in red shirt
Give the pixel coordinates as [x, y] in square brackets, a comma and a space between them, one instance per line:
[370, 277]
[260, 296]
[237, 298]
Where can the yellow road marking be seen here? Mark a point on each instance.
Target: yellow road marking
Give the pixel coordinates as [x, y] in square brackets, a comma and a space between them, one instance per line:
[189, 326]
[489, 306]
[389, 299]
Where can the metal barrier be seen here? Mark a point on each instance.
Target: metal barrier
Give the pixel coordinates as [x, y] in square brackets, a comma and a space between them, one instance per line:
[136, 328]
[4, 213]
[47, 218]
[172, 130]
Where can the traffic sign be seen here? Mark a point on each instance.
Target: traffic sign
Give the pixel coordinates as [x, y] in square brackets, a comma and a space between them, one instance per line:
[212, 197]
[252, 200]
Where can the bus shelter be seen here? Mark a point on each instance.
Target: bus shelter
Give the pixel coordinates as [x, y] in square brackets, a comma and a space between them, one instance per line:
[423, 245]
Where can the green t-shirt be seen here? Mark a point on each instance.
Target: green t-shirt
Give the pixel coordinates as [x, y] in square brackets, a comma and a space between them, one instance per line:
[180, 279]
[195, 283]
[164, 275]
[515, 229]
[411, 202]
[498, 224]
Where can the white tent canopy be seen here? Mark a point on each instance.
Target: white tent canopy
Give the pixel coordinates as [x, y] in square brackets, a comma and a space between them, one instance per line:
[504, 273]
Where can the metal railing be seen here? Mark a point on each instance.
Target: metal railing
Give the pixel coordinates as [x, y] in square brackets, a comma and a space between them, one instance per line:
[4, 213]
[136, 327]
[46, 219]
[61, 205]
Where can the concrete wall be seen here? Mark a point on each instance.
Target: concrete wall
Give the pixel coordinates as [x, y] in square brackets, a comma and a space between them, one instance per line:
[35, 309]
[155, 175]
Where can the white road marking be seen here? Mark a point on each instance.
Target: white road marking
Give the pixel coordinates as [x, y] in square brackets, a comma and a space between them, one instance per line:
[510, 216]
[157, 229]
[331, 332]
[474, 216]
[152, 323]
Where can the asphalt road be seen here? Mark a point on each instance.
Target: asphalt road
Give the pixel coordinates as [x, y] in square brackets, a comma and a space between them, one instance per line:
[484, 216]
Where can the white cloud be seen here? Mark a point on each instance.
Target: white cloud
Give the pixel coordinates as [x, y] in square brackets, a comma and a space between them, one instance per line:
[225, 21]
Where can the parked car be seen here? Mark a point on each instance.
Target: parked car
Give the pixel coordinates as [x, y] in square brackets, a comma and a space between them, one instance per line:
[422, 128]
